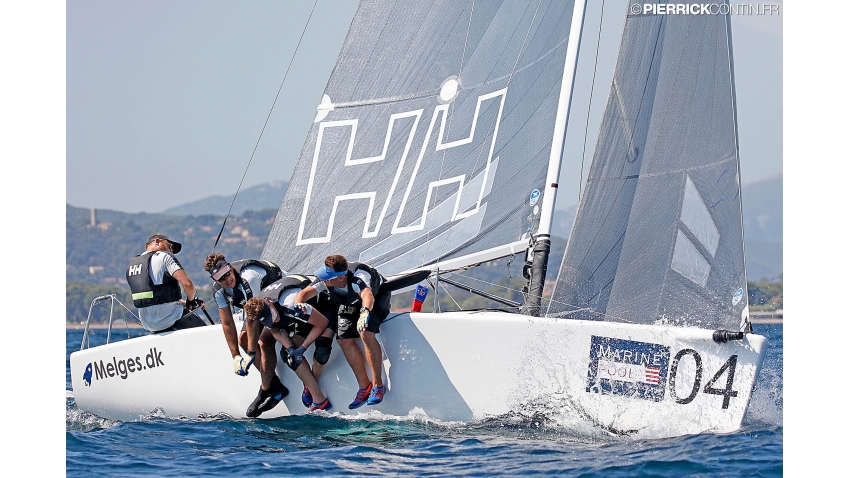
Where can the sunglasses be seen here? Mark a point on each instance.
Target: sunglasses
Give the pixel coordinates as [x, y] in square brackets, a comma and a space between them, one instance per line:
[225, 276]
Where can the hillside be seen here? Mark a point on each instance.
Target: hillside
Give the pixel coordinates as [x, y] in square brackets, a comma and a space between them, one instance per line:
[263, 196]
[762, 228]
[96, 255]
[97, 249]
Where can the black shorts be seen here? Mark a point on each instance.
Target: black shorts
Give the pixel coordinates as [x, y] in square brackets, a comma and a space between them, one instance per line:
[347, 324]
[329, 309]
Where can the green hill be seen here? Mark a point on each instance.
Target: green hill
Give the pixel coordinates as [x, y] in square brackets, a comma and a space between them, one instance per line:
[98, 248]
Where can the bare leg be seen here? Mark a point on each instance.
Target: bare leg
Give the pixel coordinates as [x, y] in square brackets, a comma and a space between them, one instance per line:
[306, 375]
[354, 356]
[267, 360]
[374, 356]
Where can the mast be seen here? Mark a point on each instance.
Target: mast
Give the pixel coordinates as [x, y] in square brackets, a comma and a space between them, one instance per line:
[537, 256]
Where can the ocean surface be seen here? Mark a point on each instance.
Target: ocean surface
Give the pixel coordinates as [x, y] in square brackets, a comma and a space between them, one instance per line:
[336, 446]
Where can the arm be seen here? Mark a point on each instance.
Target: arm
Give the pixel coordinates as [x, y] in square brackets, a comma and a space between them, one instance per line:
[367, 298]
[229, 328]
[183, 279]
[254, 328]
[319, 323]
[306, 294]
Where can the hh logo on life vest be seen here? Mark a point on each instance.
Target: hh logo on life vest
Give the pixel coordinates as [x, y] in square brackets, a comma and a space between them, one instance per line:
[135, 270]
[627, 367]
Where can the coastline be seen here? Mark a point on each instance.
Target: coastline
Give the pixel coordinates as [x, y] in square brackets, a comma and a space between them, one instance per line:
[755, 317]
[102, 326]
[766, 317]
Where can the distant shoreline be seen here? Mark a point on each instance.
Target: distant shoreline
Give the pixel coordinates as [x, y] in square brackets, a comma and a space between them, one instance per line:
[767, 318]
[102, 326]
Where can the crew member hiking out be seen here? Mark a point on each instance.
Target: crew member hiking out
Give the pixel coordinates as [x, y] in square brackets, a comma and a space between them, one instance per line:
[295, 325]
[355, 287]
[233, 284]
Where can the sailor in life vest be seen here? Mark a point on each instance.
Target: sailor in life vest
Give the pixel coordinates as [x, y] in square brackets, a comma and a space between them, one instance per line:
[233, 284]
[155, 277]
[295, 325]
[354, 288]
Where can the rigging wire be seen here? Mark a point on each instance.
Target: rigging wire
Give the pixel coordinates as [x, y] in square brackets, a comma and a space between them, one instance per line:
[451, 117]
[491, 128]
[573, 309]
[590, 103]
[264, 126]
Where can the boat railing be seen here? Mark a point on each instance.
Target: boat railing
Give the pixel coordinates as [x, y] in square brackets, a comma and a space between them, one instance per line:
[99, 301]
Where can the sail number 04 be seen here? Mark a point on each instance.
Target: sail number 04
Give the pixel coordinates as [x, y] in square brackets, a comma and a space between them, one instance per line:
[726, 392]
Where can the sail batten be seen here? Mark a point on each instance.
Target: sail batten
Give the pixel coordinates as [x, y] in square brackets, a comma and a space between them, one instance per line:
[657, 237]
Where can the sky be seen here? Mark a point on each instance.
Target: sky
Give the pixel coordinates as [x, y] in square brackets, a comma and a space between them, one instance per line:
[183, 92]
[40, 70]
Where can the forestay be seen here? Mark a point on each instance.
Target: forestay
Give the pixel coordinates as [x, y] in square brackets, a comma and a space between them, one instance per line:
[658, 234]
[432, 140]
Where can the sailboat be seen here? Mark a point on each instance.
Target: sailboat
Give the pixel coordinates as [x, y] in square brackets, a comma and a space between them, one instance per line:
[436, 148]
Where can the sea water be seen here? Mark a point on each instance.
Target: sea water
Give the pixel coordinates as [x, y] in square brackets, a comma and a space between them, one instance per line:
[337, 445]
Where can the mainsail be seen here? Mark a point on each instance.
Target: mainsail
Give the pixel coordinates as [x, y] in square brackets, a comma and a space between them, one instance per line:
[658, 233]
[432, 140]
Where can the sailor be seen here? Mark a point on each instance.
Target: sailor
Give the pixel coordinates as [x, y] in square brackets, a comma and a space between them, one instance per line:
[233, 284]
[324, 342]
[355, 288]
[295, 325]
[155, 278]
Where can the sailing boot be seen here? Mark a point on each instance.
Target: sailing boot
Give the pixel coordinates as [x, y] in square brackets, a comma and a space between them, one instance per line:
[267, 399]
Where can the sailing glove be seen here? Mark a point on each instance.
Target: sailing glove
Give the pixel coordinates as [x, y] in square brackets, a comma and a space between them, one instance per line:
[194, 303]
[242, 364]
[304, 310]
[294, 356]
[363, 322]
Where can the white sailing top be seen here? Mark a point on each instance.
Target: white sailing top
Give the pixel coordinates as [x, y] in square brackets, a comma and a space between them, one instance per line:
[161, 316]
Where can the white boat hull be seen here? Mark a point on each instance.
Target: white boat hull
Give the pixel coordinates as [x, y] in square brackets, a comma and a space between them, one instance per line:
[456, 366]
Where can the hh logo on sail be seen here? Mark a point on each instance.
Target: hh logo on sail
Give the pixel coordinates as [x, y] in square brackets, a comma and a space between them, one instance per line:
[627, 367]
[411, 191]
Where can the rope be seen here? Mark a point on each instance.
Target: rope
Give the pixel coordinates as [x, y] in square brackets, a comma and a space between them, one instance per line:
[264, 126]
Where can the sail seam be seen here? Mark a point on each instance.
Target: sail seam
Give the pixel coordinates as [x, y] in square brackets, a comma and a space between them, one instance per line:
[663, 173]
[490, 130]
[430, 93]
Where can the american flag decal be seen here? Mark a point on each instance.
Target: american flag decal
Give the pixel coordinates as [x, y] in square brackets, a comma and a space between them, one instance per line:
[628, 368]
[652, 374]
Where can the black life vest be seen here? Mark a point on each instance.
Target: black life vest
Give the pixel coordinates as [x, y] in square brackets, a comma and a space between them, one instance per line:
[376, 280]
[276, 288]
[145, 292]
[238, 299]
[274, 291]
[349, 300]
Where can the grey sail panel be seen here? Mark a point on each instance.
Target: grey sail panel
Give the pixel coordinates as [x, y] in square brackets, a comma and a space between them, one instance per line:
[403, 171]
[658, 234]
